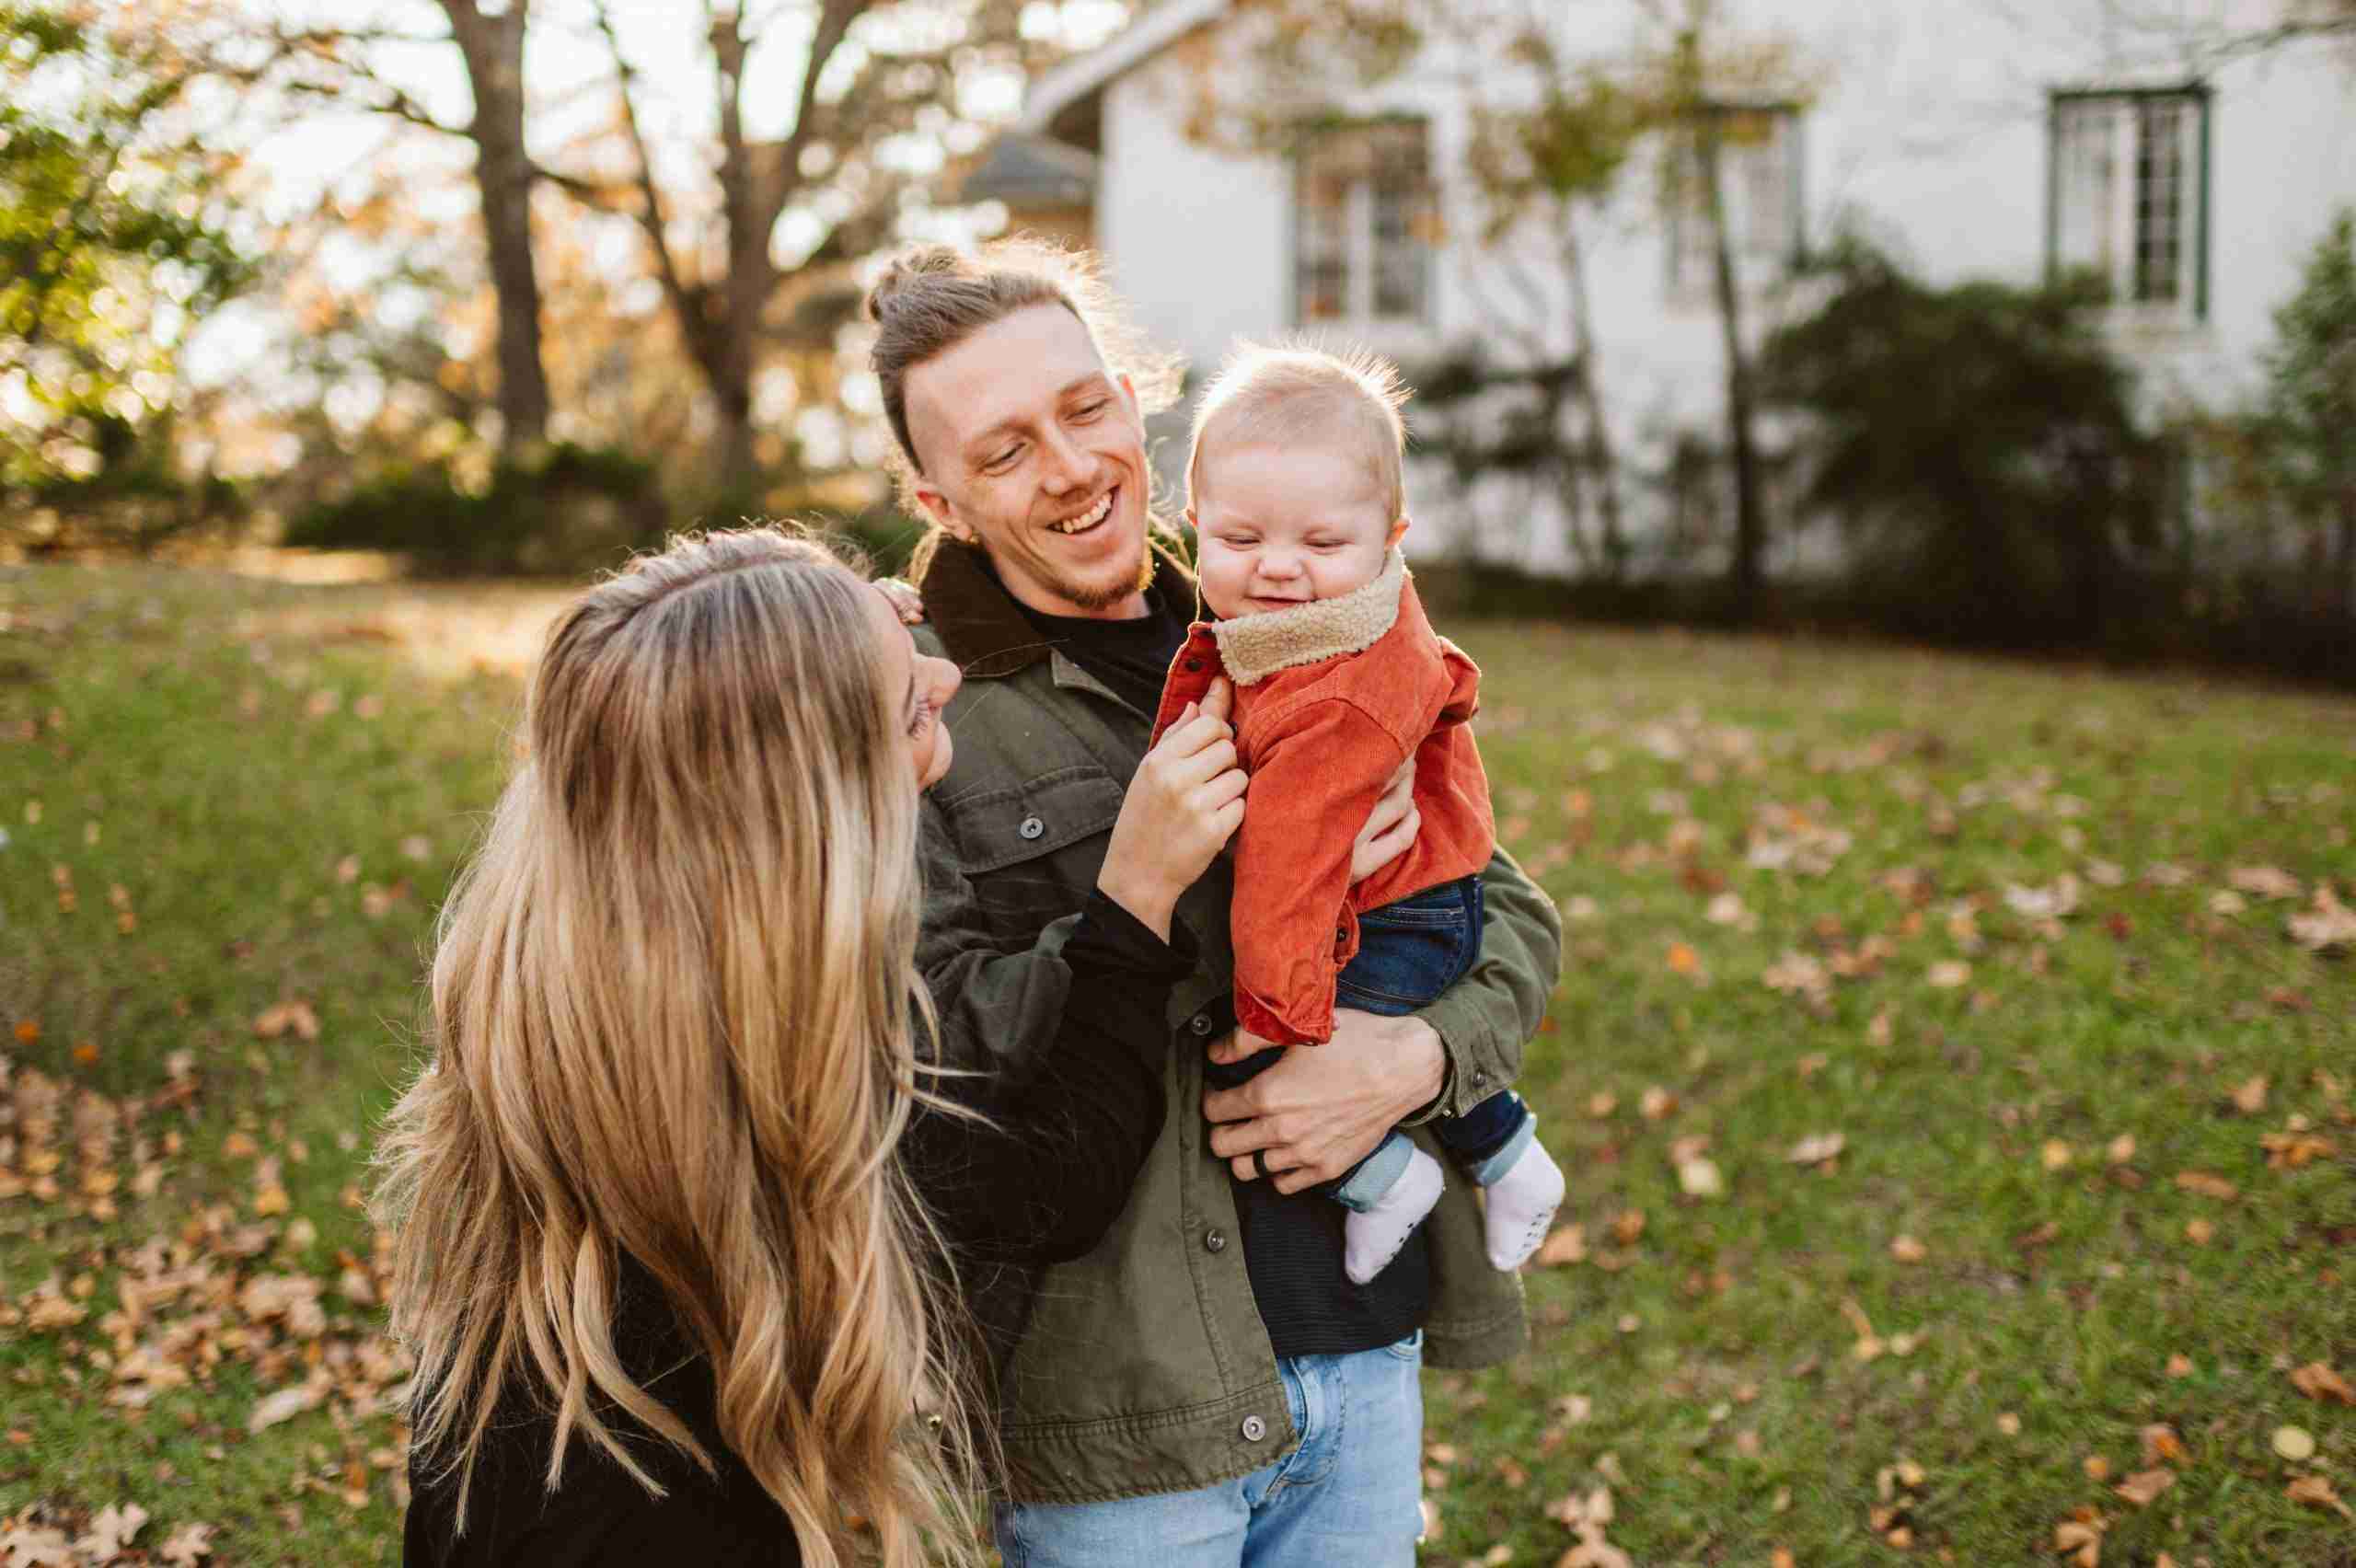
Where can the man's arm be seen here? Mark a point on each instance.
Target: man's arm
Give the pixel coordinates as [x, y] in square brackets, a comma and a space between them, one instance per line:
[1322, 1109]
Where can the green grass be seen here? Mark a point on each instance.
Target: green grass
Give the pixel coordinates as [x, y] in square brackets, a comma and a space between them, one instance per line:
[1704, 1370]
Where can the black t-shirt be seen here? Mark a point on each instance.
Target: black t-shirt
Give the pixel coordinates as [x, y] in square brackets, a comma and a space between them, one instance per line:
[1292, 1244]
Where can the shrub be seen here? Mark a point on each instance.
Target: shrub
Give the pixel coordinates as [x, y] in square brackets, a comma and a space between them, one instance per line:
[1978, 445]
[565, 509]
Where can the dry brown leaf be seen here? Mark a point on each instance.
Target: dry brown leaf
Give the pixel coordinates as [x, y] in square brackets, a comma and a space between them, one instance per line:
[285, 1406]
[2332, 924]
[2199, 1232]
[2096, 1467]
[2206, 1185]
[1684, 960]
[1627, 1226]
[1655, 1103]
[2264, 881]
[2080, 1540]
[2143, 1487]
[2179, 1364]
[1950, 974]
[2295, 1444]
[1601, 1104]
[2316, 1492]
[2056, 1155]
[2250, 1098]
[1907, 1250]
[2008, 1424]
[2161, 1442]
[110, 1534]
[2320, 1383]
[1568, 1245]
[2121, 1149]
[1699, 1178]
[188, 1546]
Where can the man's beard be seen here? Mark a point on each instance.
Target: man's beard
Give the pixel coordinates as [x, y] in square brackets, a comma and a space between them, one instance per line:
[1093, 596]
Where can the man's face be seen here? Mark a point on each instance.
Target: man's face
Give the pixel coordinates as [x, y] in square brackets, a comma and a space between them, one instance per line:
[1031, 449]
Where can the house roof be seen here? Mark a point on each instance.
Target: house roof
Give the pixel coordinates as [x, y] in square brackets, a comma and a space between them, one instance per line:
[1026, 169]
[1066, 84]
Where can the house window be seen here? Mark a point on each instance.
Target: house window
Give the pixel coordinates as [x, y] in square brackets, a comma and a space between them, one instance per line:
[1759, 188]
[2128, 195]
[1363, 225]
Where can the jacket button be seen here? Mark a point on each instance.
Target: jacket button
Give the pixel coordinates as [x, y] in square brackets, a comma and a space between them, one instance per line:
[1032, 827]
[1479, 1077]
[1213, 1241]
[1254, 1429]
[1201, 1024]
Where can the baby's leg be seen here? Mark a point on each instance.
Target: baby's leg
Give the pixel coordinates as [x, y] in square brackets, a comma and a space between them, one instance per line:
[1496, 1143]
[1388, 1195]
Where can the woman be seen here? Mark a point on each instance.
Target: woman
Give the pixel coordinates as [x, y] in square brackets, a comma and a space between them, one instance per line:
[680, 1232]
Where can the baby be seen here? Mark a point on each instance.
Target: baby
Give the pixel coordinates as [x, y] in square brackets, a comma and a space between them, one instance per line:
[1295, 495]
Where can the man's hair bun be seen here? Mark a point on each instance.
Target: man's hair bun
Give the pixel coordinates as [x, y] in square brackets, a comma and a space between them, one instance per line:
[932, 260]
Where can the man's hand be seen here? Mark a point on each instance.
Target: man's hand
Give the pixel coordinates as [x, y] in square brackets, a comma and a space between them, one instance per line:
[1390, 829]
[1323, 1108]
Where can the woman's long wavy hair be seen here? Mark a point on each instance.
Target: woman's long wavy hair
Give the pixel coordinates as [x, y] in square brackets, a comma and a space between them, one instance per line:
[672, 1012]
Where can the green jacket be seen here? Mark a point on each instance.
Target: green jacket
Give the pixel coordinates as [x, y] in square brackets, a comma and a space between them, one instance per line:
[1144, 1368]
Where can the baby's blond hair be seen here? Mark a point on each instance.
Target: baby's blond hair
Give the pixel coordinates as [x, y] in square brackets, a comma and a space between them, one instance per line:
[1275, 393]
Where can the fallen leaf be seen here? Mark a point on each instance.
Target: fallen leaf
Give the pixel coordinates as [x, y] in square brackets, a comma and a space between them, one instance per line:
[2250, 1098]
[1655, 1103]
[1950, 973]
[1601, 1104]
[110, 1534]
[273, 1021]
[2320, 1383]
[1684, 960]
[2315, 1490]
[2161, 1442]
[1817, 1147]
[2144, 1486]
[2206, 1185]
[285, 1406]
[2179, 1364]
[1628, 1226]
[2097, 1467]
[1699, 1179]
[2263, 882]
[2294, 1443]
[2199, 1232]
[2121, 1149]
[2009, 1424]
[2056, 1155]
[2081, 1537]
[1568, 1245]
[1906, 1249]
[27, 1031]
[2332, 925]
[188, 1546]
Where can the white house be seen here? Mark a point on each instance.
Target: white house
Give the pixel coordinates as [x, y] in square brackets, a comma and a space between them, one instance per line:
[1988, 138]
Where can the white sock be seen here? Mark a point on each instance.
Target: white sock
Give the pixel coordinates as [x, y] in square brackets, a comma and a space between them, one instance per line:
[1522, 1204]
[1372, 1240]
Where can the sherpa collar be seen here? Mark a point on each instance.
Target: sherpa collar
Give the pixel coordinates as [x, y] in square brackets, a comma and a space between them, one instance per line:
[1256, 646]
[979, 624]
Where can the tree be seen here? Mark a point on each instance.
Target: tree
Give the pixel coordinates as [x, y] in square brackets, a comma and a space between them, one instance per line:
[111, 243]
[2308, 424]
[301, 68]
[876, 95]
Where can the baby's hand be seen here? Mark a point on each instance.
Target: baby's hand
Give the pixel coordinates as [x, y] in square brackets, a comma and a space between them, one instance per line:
[904, 599]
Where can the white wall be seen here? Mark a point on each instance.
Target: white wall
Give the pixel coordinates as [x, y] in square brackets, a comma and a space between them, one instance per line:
[1927, 125]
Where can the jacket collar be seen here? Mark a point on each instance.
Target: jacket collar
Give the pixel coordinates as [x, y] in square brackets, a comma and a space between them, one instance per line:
[1256, 646]
[978, 622]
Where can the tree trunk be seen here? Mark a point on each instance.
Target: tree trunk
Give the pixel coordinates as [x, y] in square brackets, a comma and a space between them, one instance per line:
[1751, 522]
[1596, 449]
[493, 47]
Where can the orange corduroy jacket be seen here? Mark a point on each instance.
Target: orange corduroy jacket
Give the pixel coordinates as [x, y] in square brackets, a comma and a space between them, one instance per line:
[1329, 699]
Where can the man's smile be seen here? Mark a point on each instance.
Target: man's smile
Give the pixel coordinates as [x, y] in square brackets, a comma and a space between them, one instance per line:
[1089, 519]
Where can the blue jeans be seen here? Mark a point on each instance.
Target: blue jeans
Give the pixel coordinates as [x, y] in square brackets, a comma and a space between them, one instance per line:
[1408, 953]
[1348, 1494]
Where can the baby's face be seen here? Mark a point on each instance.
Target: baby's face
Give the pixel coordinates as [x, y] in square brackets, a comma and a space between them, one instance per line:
[1281, 526]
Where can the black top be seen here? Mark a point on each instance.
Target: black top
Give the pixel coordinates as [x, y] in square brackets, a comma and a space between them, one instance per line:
[1292, 1245]
[1130, 656]
[1038, 1182]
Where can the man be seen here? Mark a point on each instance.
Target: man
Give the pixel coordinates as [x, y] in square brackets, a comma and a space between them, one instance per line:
[1206, 1388]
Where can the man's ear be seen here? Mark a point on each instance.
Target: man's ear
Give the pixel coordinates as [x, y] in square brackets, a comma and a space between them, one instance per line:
[1398, 530]
[936, 506]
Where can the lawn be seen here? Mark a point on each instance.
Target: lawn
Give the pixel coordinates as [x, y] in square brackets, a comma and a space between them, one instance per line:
[1952, 1063]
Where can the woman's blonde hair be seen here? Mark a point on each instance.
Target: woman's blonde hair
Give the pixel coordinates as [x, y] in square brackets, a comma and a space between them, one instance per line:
[672, 1012]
